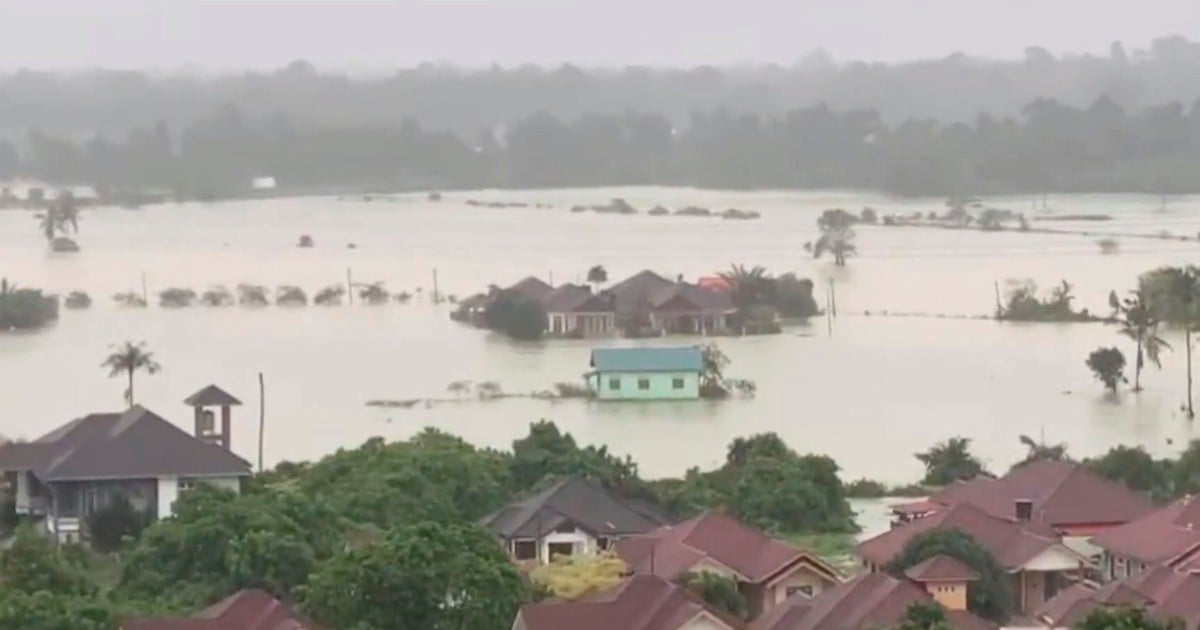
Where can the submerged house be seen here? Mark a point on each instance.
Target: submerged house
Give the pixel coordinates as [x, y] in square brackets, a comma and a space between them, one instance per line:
[80, 468]
[574, 311]
[648, 302]
[646, 373]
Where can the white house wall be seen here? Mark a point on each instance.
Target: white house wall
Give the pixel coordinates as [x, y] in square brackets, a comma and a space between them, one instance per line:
[168, 492]
[1056, 558]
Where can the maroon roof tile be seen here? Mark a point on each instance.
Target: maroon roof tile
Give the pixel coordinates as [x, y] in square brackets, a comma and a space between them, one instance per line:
[941, 568]
[251, 609]
[641, 602]
[1162, 591]
[1012, 544]
[1160, 536]
[874, 600]
[674, 549]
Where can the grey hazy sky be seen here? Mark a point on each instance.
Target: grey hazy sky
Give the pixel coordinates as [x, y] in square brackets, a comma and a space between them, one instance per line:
[166, 34]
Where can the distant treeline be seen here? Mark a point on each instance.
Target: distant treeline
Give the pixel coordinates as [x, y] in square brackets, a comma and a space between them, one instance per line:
[1050, 147]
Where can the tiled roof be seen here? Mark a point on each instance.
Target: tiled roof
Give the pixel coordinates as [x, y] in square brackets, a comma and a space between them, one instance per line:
[1063, 493]
[941, 568]
[577, 501]
[874, 600]
[251, 609]
[570, 298]
[1012, 544]
[641, 602]
[673, 550]
[1162, 591]
[211, 396]
[1160, 536]
[532, 288]
[648, 359]
[134, 444]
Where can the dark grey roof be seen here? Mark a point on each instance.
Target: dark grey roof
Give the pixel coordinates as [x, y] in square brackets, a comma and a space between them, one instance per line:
[709, 300]
[211, 396]
[571, 298]
[532, 288]
[577, 501]
[131, 445]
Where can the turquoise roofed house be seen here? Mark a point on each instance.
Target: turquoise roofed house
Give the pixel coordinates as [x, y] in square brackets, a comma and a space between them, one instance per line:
[646, 373]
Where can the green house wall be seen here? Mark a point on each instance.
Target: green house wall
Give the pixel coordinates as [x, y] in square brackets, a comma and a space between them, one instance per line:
[659, 385]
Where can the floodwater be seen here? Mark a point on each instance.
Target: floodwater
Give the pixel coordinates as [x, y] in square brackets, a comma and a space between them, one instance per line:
[872, 393]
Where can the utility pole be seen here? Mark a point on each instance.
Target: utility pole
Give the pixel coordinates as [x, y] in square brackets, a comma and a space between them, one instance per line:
[262, 419]
[349, 287]
[436, 296]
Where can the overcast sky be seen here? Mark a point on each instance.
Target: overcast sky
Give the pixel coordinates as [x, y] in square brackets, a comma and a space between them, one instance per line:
[167, 34]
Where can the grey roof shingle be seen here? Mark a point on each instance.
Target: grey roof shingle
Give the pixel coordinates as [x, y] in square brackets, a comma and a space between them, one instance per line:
[211, 396]
[578, 501]
[134, 444]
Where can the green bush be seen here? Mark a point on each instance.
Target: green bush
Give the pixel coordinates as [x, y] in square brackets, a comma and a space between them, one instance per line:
[516, 316]
[111, 525]
[25, 309]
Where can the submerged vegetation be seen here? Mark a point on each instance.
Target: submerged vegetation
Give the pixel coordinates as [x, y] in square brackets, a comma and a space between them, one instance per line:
[25, 309]
[1023, 305]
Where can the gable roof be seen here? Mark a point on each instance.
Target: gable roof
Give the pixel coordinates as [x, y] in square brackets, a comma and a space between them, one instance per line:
[532, 288]
[641, 282]
[941, 568]
[571, 298]
[250, 609]
[576, 501]
[1012, 544]
[134, 444]
[1163, 592]
[211, 396]
[1063, 494]
[681, 295]
[673, 550]
[642, 602]
[1159, 536]
[874, 600]
[672, 359]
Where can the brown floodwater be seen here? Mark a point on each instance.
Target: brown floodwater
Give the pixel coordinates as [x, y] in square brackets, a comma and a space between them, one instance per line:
[877, 390]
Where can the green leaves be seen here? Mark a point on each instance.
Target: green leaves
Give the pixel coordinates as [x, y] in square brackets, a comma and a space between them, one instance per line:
[949, 461]
[991, 596]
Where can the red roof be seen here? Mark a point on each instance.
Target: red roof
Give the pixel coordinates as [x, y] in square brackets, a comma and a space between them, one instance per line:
[251, 609]
[1012, 544]
[874, 600]
[941, 568]
[672, 550]
[1063, 494]
[1163, 535]
[642, 602]
[1163, 592]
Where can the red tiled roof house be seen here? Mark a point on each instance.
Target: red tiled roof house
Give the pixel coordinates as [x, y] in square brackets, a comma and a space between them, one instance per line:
[1167, 536]
[251, 609]
[642, 602]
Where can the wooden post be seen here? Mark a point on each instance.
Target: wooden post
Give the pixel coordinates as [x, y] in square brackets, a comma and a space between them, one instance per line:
[828, 315]
[999, 305]
[262, 419]
[436, 297]
[833, 297]
[349, 287]
[145, 294]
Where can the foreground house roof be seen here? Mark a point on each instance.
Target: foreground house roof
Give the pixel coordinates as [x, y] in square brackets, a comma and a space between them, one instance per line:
[251, 609]
[1063, 494]
[131, 445]
[1171, 533]
[642, 602]
[673, 550]
[874, 600]
[1163, 592]
[1012, 544]
[677, 359]
[577, 501]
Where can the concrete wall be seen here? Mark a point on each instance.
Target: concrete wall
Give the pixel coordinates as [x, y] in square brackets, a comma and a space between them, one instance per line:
[950, 595]
[800, 577]
[660, 386]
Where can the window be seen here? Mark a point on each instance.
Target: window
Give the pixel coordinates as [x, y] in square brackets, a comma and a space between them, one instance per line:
[806, 590]
[643, 383]
[614, 383]
[524, 549]
[602, 544]
[186, 484]
[676, 383]
[562, 549]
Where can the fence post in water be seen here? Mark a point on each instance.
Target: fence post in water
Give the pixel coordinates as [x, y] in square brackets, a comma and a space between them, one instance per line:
[436, 297]
[833, 297]
[828, 314]
[349, 287]
[145, 294]
[999, 307]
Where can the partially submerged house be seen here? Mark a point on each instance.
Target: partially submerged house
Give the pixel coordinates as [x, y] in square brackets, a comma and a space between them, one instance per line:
[251, 609]
[574, 311]
[532, 288]
[1064, 496]
[649, 302]
[873, 600]
[1162, 592]
[642, 602]
[663, 373]
[572, 517]
[1033, 554]
[81, 467]
[767, 570]
[1168, 536]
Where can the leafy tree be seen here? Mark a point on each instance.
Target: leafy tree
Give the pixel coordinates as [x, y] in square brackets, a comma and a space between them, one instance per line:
[32, 564]
[991, 596]
[434, 576]
[46, 610]
[23, 309]
[793, 494]
[113, 524]
[742, 450]
[719, 591]
[1108, 366]
[1139, 323]
[129, 358]
[546, 454]
[1173, 295]
[950, 461]
[925, 616]
[1137, 469]
[1186, 471]
[516, 316]
[839, 242]
[572, 577]
[1107, 618]
[597, 275]
[794, 296]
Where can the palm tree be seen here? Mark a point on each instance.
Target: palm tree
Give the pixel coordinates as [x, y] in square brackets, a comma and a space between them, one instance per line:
[129, 358]
[1139, 323]
[1039, 450]
[1173, 294]
[749, 286]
